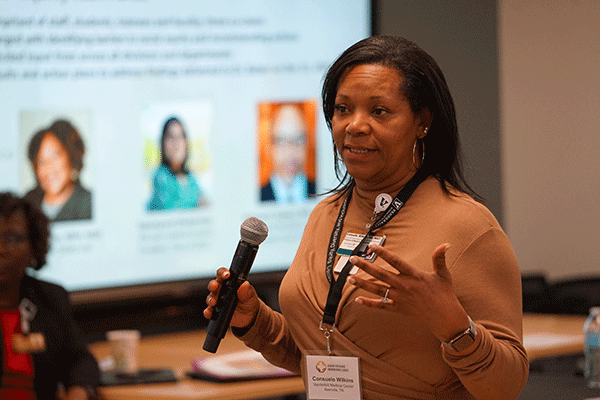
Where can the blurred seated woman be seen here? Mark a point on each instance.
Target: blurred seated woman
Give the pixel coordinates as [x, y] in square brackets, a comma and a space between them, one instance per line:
[41, 349]
[56, 156]
[174, 185]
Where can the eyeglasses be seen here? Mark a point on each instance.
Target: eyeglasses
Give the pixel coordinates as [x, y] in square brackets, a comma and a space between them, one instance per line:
[296, 141]
[12, 239]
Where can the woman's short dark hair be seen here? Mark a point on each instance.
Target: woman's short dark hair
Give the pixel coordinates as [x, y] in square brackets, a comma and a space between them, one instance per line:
[37, 225]
[163, 160]
[68, 136]
[425, 87]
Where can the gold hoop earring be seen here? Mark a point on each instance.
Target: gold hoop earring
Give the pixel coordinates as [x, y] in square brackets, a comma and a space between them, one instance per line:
[415, 145]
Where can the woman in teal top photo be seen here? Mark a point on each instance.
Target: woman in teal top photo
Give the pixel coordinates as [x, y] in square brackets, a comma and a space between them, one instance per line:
[174, 185]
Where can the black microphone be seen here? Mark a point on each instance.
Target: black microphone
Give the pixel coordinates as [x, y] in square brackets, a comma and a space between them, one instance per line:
[253, 232]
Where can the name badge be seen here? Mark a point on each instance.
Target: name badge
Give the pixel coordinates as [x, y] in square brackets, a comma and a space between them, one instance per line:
[34, 342]
[349, 244]
[332, 377]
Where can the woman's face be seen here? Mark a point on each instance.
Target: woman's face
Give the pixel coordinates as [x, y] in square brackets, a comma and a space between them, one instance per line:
[175, 146]
[53, 167]
[15, 249]
[373, 126]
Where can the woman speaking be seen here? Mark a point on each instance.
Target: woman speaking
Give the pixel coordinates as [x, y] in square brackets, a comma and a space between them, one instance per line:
[400, 270]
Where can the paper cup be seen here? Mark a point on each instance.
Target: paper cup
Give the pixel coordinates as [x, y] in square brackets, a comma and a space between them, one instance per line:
[124, 349]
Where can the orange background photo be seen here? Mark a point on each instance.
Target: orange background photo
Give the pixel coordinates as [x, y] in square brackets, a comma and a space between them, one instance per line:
[265, 117]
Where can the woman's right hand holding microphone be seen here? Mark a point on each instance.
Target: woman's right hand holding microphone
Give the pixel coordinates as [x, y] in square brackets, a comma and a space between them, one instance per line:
[248, 301]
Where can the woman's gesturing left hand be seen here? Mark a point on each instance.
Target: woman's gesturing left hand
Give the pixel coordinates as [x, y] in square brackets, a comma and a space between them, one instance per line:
[427, 296]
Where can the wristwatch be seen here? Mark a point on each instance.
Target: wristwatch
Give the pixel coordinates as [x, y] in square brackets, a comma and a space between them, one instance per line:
[463, 340]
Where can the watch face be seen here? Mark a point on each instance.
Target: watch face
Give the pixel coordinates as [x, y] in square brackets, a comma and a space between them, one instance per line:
[463, 342]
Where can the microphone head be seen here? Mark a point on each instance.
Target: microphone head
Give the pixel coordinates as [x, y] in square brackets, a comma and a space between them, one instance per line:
[254, 231]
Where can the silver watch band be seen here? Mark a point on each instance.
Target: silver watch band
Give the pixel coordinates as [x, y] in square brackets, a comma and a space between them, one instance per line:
[464, 339]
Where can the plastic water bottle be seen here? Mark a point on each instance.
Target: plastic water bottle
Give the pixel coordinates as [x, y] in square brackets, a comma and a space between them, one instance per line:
[591, 331]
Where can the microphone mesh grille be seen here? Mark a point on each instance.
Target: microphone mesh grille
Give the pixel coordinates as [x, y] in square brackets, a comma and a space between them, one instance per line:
[254, 231]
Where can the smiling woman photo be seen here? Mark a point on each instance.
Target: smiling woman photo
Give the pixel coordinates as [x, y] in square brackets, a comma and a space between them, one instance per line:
[174, 186]
[56, 157]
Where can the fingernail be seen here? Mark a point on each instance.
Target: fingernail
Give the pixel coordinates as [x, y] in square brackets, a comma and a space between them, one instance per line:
[226, 274]
[351, 280]
[359, 300]
[353, 260]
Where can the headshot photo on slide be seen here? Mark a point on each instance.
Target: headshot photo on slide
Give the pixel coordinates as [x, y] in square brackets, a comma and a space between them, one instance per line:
[55, 147]
[176, 156]
[287, 172]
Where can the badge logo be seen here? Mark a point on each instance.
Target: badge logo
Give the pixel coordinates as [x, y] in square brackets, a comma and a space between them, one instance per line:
[321, 366]
[397, 204]
[382, 202]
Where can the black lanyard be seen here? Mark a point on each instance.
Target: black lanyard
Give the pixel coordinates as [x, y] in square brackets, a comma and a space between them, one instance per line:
[335, 289]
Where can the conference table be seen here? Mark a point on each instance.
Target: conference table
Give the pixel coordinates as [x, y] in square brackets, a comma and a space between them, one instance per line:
[544, 335]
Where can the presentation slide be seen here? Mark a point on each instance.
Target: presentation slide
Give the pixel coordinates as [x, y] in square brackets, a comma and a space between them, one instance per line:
[149, 130]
